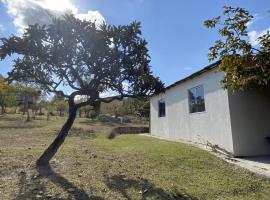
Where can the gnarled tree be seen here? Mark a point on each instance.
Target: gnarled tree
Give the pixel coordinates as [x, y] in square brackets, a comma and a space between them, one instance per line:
[87, 59]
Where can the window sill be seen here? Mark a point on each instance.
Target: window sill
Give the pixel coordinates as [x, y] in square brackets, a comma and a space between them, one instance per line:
[197, 113]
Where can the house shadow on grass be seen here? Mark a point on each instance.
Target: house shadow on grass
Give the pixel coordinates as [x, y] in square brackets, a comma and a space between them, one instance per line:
[35, 187]
[145, 188]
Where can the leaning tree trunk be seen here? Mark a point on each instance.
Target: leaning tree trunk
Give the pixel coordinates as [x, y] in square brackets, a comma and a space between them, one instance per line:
[58, 141]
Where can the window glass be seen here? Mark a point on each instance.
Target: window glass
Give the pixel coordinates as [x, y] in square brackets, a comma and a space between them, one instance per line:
[161, 108]
[196, 99]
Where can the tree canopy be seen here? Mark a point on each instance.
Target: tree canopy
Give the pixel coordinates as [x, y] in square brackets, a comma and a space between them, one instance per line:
[245, 65]
[86, 58]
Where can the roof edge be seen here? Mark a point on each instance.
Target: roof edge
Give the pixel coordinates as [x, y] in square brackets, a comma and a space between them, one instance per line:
[195, 74]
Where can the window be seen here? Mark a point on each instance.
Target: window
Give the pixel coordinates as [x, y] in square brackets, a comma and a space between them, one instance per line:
[196, 99]
[161, 108]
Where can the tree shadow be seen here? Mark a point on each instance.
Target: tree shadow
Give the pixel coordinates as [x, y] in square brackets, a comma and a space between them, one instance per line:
[146, 189]
[35, 188]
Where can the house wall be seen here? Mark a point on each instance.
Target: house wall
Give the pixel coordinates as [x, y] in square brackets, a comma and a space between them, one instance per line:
[213, 125]
[250, 119]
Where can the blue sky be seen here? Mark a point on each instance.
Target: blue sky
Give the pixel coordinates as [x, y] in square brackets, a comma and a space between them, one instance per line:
[177, 41]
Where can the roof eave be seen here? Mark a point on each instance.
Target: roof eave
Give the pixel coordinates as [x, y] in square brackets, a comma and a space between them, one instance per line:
[205, 69]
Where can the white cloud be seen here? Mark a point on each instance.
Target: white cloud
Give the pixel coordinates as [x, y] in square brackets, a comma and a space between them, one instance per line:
[188, 68]
[110, 93]
[26, 12]
[256, 18]
[254, 35]
[2, 29]
[93, 16]
[251, 22]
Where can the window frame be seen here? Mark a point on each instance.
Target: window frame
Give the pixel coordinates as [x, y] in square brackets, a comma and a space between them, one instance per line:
[189, 105]
[161, 114]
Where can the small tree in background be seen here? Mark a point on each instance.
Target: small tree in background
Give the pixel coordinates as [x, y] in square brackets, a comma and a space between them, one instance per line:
[59, 104]
[144, 111]
[7, 96]
[26, 96]
[43, 103]
[89, 60]
[131, 106]
[245, 65]
[87, 111]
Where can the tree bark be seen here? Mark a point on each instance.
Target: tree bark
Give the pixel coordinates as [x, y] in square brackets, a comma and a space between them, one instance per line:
[33, 113]
[28, 114]
[2, 109]
[58, 141]
[96, 106]
[48, 115]
[24, 105]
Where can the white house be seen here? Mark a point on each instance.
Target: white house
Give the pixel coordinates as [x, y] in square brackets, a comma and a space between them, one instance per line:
[199, 110]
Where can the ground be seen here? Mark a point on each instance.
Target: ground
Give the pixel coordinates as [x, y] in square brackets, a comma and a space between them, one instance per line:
[90, 166]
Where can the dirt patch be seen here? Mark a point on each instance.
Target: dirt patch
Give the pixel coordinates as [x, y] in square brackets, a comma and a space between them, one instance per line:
[82, 133]
[127, 130]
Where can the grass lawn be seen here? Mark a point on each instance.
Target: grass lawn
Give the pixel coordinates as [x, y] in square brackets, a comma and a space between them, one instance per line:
[89, 166]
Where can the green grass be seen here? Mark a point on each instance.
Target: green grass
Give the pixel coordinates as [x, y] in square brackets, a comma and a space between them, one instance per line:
[127, 167]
